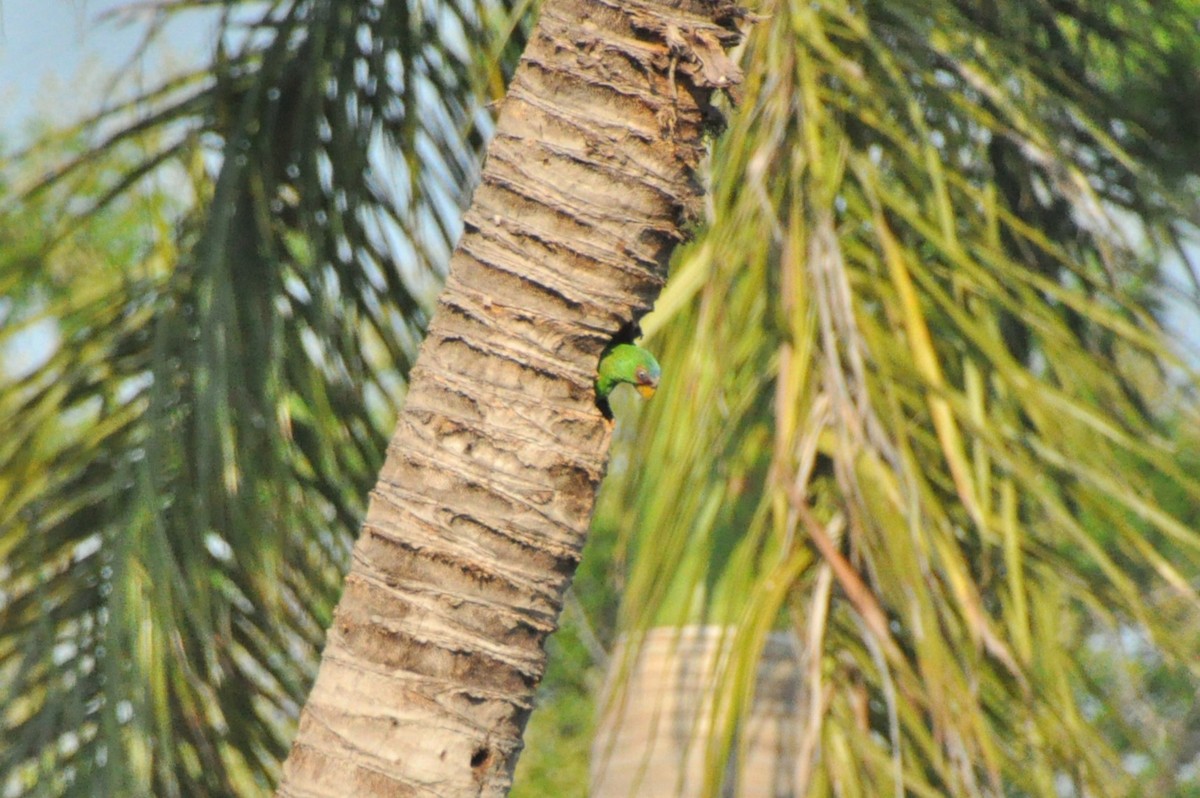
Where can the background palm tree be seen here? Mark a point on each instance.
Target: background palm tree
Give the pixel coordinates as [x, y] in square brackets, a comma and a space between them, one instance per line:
[919, 407]
[238, 264]
[921, 410]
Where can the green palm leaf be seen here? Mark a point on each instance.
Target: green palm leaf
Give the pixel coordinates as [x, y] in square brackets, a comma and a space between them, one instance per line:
[930, 278]
[185, 470]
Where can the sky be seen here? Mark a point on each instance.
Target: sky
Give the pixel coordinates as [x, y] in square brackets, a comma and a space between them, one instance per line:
[56, 58]
[55, 54]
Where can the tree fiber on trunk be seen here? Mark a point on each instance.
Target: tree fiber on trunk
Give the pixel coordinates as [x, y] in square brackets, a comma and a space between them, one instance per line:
[481, 510]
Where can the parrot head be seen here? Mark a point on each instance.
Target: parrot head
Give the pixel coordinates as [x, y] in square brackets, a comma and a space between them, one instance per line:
[646, 379]
[631, 364]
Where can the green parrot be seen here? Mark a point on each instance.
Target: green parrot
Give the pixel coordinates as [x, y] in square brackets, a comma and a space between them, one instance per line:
[627, 363]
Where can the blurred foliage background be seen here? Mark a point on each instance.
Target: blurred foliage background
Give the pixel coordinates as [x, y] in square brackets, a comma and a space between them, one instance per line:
[922, 405]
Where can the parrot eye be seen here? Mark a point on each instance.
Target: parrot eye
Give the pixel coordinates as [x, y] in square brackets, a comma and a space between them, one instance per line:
[641, 374]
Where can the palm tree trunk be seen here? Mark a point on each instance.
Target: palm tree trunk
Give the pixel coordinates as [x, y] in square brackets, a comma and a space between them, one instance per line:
[480, 513]
[658, 718]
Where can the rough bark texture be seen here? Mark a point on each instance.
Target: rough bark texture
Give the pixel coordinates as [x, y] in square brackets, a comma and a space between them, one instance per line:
[657, 720]
[480, 513]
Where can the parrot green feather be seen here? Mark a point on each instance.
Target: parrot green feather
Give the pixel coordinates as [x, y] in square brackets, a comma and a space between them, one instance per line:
[627, 363]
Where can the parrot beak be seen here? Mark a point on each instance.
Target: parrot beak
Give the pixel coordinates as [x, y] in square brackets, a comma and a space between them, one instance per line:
[646, 389]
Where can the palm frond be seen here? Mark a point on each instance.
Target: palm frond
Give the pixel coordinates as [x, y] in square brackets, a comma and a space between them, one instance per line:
[185, 471]
[919, 348]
